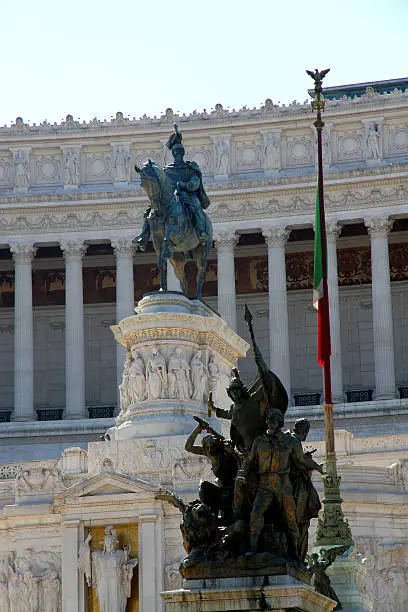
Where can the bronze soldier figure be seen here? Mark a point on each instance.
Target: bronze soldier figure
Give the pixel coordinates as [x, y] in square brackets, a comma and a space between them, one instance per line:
[270, 457]
[306, 497]
[245, 414]
[224, 464]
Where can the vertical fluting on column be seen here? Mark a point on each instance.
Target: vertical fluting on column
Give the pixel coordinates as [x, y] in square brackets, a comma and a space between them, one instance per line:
[378, 229]
[23, 332]
[74, 250]
[125, 293]
[279, 358]
[333, 230]
[225, 241]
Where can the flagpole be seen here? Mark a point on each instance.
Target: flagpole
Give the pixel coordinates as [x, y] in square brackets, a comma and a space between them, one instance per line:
[332, 528]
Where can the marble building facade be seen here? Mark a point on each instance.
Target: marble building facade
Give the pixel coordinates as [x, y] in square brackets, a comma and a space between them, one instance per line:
[71, 205]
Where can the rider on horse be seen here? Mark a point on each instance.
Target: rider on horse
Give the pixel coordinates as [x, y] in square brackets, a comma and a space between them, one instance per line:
[186, 179]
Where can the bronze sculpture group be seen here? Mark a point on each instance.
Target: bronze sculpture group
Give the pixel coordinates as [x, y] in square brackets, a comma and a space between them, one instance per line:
[256, 515]
[254, 519]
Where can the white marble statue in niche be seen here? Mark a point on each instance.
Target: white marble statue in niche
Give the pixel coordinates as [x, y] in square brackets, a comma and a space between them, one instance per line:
[137, 379]
[71, 168]
[179, 376]
[221, 157]
[198, 377]
[272, 152]
[373, 149]
[110, 571]
[121, 165]
[21, 171]
[156, 376]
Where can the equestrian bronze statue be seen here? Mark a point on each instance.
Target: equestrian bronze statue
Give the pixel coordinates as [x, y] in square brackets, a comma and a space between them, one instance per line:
[180, 229]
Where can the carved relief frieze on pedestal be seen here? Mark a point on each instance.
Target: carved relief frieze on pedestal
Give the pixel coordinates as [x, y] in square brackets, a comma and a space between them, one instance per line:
[178, 351]
[30, 580]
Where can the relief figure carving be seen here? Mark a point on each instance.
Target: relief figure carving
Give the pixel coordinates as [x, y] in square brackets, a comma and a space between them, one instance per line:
[137, 379]
[198, 377]
[179, 376]
[156, 376]
[71, 168]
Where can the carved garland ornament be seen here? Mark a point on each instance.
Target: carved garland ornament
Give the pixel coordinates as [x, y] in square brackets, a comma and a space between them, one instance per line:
[204, 338]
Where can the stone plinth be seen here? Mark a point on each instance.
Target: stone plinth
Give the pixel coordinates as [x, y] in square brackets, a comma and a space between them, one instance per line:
[249, 594]
[179, 350]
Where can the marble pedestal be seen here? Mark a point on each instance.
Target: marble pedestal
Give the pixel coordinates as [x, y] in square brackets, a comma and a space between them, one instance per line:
[249, 594]
[196, 350]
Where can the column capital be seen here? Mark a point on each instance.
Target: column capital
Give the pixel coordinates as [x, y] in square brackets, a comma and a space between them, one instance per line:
[225, 238]
[333, 230]
[123, 247]
[276, 235]
[379, 227]
[23, 252]
[73, 249]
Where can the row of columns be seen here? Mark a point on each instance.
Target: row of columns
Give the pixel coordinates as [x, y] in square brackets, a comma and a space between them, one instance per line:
[73, 251]
[276, 238]
[225, 241]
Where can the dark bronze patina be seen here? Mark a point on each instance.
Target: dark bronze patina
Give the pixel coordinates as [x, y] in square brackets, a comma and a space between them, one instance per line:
[176, 221]
[254, 519]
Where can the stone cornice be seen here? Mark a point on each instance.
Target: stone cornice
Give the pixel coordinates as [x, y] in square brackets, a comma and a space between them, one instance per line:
[238, 201]
[96, 214]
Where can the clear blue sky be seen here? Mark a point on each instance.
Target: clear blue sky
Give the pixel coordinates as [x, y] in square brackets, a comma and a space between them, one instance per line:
[93, 58]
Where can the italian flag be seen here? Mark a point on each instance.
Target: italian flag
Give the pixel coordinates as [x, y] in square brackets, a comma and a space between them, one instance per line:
[320, 297]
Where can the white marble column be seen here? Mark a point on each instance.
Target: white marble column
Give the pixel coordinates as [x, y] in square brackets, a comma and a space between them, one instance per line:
[74, 250]
[225, 241]
[150, 563]
[333, 232]
[173, 283]
[125, 292]
[378, 229]
[23, 254]
[279, 359]
[70, 574]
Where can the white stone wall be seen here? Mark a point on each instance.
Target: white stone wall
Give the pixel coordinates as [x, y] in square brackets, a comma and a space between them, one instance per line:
[49, 357]
[6, 359]
[400, 319]
[357, 337]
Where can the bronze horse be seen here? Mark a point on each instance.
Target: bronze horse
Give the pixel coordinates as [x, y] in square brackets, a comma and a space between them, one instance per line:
[172, 230]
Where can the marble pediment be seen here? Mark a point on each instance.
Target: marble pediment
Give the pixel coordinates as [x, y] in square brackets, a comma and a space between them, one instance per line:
[108, 484]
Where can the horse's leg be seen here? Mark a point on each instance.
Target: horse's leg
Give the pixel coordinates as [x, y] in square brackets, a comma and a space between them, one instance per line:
[165, 254]
[178, 265]
[200, 254]
[161, 261]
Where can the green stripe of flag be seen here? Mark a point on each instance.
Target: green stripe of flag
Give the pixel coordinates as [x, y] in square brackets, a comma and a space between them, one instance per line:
[318, 259]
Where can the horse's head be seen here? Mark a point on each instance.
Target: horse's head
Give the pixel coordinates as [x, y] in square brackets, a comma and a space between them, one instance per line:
[152, 179]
